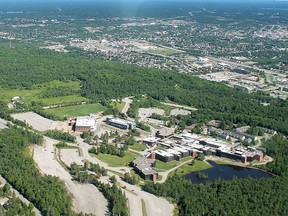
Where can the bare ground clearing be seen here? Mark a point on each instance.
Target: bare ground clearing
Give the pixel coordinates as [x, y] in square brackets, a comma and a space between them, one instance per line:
[36, 121]
[147, 112]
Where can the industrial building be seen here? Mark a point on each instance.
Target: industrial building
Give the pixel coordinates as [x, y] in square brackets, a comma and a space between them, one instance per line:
[145, 168]
[84, 123]
[121, 123]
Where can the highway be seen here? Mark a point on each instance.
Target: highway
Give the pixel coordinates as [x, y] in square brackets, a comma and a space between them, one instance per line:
[268, 73]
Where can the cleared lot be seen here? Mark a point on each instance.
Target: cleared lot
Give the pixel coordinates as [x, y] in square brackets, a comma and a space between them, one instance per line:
[144, 113]
[88, 199]
[36, 121]
[3, 124]
[69, 156]
[176, 112]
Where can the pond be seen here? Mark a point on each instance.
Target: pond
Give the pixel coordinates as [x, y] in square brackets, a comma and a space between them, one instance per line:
[225, 172]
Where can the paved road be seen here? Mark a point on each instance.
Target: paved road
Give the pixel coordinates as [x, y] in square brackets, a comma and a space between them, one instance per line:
[166, 173]
[127, 101]
[18, 195]
[154, 206]
[88, 199]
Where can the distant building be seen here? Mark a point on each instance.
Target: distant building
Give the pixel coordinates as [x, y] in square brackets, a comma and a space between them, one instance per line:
[269, 131]
[83, 124]
[145, 168]
[121, 123]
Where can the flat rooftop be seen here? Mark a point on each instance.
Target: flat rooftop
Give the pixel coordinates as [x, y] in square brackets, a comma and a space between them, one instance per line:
[85, 122]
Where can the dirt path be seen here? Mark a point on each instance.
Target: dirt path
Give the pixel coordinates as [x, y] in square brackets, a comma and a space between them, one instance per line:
[180, 106]
[166, 173]
[127, 101]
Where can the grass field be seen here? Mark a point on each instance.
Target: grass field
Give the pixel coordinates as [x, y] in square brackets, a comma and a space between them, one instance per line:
[115, 161]
[36, 92]
[187, 168]
[162, 166]
[138, 147]
[120, 106]
[77, 110]
[167, 109]
[164, 51]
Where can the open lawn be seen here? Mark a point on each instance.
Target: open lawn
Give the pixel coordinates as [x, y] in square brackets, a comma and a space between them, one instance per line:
[77, 110]
[115, 161]
[162, 166]
[61, 100]
[120, 106]
[167, 109]
[187, 168]
[138, 147]
[45, 93]
[164, 51]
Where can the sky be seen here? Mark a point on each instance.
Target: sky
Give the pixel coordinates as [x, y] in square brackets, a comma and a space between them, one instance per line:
[141, 0]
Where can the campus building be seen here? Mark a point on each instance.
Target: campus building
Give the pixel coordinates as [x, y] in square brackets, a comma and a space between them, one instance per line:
[121, 123]
[181, 146]
[85, 123]
[145, 168]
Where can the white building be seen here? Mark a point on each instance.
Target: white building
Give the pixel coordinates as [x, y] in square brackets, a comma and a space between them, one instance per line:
[85, 124]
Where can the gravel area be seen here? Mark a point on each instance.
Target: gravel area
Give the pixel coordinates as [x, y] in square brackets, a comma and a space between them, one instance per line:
[147, 112]
[36, 121]
[87, 198]
[68, 156]
[176, 112]
[3, 123]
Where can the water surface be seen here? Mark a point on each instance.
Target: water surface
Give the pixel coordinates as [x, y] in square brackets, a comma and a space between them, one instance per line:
[226, 172]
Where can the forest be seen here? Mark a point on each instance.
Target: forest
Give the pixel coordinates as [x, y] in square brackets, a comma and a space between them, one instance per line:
[47, 193]
[22, 68]
[101, 81]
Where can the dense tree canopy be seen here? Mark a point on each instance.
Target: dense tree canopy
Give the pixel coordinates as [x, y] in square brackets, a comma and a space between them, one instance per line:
[47, 193]
[101, 81]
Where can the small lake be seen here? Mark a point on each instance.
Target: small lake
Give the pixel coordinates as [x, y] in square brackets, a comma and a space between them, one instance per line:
[226, 172]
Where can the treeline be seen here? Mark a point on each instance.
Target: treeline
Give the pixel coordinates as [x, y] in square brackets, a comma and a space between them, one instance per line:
[236, 197]
[47, 193]
[131, 179]
[277, 148]
[58, 92]
[59, 135]
[108, 149]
